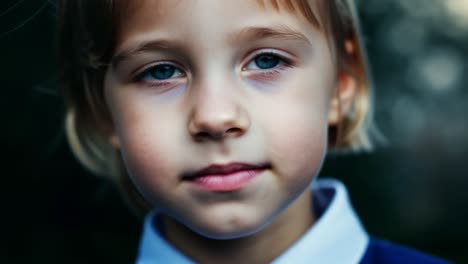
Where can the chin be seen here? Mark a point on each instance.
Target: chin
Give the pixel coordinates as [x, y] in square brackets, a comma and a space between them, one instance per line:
[229, 228]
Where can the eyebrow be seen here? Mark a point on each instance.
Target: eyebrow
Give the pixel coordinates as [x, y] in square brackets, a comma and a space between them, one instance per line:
[144, 46]
[244, 35]
[278, 32]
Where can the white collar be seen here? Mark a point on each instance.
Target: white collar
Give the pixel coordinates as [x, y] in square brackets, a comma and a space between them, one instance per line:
[336, 237]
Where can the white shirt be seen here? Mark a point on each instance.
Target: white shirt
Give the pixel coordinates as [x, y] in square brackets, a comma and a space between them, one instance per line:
[337, 235]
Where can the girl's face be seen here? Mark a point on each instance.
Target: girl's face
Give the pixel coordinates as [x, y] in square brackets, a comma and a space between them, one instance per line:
[220, 110]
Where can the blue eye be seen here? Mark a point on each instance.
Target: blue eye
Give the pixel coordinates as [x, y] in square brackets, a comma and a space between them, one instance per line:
[267, 61]
[161, 72]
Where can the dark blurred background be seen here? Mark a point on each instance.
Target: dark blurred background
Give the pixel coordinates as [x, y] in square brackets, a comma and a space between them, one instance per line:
[412, 191]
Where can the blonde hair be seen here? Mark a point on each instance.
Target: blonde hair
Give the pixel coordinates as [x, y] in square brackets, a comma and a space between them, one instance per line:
[87, 38]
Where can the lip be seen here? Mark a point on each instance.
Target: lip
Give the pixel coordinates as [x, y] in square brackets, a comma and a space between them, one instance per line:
[225, 178]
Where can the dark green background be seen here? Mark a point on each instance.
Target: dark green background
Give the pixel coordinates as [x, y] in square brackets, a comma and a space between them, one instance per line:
[412, 191]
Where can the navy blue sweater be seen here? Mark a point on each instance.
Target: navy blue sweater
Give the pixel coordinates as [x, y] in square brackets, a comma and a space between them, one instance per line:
[384, 252]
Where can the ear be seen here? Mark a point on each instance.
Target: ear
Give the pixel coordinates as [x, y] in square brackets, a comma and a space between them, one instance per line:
[107, 132]
[114, 141]
[342, 101]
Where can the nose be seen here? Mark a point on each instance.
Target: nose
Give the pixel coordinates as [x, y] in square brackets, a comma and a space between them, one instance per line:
[217, 115]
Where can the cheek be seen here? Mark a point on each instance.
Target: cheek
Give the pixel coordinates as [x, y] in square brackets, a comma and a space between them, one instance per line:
[298, 142]
[145, 133]
[296, 129]
[146, 152]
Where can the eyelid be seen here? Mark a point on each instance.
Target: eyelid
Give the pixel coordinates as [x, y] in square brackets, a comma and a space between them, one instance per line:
[141, 71]
[285, 56]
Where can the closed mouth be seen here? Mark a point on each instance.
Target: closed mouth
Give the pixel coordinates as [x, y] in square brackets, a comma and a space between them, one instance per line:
[227, 169]
[225, 178]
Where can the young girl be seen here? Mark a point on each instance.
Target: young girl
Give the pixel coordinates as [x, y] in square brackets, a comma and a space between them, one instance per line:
[215, 116]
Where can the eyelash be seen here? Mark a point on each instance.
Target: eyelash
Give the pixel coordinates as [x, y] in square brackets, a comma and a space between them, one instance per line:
[283, 60]
[140, 77]
[270, 73]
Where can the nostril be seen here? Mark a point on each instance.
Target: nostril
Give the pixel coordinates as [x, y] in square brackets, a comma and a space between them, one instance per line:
[203, 135]
[234, 130]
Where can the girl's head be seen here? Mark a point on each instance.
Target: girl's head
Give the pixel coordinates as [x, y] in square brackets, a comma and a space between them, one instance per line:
[162, 93]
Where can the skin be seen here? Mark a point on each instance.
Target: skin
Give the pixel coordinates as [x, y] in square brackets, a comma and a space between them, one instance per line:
[218, 108]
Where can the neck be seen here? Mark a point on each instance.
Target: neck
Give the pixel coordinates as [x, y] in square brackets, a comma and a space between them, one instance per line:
[261, 247]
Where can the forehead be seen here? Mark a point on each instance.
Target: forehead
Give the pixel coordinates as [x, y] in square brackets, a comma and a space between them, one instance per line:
[310, 10]
[278, 5]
